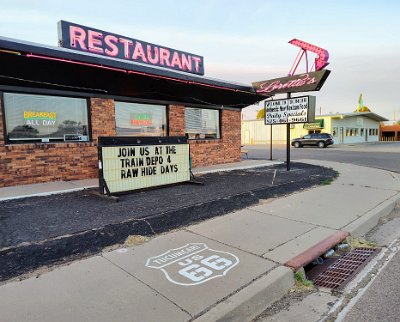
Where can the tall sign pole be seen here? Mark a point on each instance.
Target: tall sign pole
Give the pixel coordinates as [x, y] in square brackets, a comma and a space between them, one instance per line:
[288, 141]
[298, 109]
[270, 145]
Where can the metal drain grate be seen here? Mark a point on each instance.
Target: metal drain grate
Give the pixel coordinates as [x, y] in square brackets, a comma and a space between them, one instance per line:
[341, 272]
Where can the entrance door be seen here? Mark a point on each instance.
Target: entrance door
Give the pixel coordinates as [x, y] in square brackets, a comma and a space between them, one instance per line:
[366, 135]
[341, 135]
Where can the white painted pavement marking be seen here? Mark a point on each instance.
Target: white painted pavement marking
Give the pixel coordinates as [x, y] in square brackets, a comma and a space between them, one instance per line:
[193, 264]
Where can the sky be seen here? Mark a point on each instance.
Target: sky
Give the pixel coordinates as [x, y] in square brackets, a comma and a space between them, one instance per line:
[247, 41]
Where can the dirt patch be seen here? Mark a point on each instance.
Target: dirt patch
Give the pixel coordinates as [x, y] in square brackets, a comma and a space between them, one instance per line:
[135, 240]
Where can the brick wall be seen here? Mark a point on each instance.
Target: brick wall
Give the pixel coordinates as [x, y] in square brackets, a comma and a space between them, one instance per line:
[208, 152]
[176, 120]
[43, 162]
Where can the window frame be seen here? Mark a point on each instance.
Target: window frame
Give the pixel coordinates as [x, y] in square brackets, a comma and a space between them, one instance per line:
[141, 103]
[54, 141]
[219, 123]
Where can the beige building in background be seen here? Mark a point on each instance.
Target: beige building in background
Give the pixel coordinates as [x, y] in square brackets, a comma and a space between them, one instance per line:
[345, 128]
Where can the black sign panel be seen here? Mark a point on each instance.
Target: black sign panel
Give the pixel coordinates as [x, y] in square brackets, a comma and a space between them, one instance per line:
[292, 84]
[95, 41]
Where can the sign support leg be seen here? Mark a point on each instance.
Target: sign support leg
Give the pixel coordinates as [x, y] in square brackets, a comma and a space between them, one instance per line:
[288, 141]
[270, 144]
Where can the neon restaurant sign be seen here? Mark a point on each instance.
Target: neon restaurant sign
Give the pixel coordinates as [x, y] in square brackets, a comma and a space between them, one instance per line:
[87, 39]
[306, 82]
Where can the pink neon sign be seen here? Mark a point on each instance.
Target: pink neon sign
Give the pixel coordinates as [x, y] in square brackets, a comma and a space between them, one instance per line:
[103, 43]
[307, 82]
[321, 61]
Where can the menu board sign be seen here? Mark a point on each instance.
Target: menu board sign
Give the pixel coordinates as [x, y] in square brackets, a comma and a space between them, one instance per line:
[290, 110]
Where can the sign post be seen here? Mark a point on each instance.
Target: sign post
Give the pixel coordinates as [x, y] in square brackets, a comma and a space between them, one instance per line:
[288, 141]
[290, 110]
[309, 81]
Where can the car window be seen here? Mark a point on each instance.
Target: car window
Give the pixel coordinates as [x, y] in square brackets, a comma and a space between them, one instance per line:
[315, 136]
[308, 136]
[325, 135]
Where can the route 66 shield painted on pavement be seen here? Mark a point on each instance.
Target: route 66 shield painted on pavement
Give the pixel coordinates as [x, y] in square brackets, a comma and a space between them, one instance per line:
[193, 264]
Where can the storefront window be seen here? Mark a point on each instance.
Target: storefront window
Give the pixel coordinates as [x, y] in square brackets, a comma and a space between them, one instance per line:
[140, 119]
[362, 132]
[45, 118]
[356, 132]
[334, 133]
[202, 123]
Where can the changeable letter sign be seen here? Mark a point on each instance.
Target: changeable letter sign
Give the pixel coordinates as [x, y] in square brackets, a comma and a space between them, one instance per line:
[131, 163]
[290, 110]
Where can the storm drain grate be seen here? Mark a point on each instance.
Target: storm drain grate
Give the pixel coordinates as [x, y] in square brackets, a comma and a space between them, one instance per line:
[337, 275]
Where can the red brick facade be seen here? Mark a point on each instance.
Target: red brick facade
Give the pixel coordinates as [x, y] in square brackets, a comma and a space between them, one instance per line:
[176, 120]
[224, 150]
[208, 152]
[44, 162]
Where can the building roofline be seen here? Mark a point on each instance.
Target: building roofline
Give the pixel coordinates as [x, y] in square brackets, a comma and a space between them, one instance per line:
[21, 47]
[370, 115]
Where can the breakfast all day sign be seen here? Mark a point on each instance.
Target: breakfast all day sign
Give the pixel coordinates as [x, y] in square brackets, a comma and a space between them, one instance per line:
[131, 163]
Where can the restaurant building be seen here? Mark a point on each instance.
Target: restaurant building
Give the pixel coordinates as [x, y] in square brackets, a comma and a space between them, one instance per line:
[57, 101]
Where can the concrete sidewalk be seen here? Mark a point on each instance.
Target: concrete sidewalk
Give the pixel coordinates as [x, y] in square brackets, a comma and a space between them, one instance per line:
[227, 268]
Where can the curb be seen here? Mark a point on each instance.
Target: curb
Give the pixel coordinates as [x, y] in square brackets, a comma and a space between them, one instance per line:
[359, 227]
[364, 224]
[317, 250]
[251, 301]
[270, 163]
[49, 193]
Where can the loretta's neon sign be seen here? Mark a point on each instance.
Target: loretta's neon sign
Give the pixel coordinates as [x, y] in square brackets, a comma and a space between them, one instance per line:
[307, 82]
[100, 42]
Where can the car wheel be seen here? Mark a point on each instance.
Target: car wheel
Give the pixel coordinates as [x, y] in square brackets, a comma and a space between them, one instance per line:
[321, 144]
[297, 144]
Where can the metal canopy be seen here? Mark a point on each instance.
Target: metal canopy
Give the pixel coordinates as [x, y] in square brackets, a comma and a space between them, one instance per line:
[25, 64]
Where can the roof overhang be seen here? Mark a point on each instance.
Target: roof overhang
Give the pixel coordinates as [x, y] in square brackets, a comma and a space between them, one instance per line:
[26, 64]
[370, 115]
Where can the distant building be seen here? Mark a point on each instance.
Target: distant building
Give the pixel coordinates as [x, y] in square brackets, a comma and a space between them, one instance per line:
[390, 131]
[345, 128]
[360, 126]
